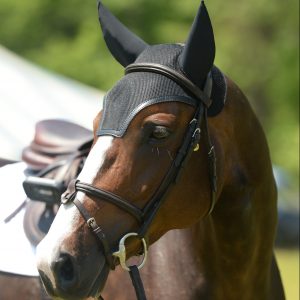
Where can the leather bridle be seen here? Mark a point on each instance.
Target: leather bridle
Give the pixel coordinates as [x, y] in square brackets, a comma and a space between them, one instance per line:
[146, 215]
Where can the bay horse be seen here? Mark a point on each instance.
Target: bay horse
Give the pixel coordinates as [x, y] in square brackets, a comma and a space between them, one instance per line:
[149, 172]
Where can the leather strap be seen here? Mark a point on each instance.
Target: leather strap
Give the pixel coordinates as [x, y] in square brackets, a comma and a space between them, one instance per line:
[78, 186]
[98, 232]
[137, 283]
[111, 198]
[212, 164]
[191, 139]
[172, 74]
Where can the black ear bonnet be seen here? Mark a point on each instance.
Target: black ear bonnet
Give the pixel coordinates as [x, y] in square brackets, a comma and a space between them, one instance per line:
[138, 90]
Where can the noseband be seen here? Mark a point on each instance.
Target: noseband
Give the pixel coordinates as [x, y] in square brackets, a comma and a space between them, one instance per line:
[146, 215]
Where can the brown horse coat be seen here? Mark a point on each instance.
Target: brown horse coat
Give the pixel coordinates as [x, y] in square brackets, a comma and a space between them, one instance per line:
[227, 254]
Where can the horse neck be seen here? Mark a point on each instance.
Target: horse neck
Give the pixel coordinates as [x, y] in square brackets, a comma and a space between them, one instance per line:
[228, 245]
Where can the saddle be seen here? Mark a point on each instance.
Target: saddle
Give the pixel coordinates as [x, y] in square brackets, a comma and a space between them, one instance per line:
[54, 157]
[54, 140]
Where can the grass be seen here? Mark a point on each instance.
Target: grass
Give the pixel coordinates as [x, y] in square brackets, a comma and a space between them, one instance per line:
[288, 261]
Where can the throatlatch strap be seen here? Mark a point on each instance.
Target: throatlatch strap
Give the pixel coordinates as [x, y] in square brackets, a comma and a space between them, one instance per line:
[137, 283]
[212, 164]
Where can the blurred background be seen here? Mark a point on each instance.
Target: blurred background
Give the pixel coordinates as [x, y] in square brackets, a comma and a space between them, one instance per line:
[257, 46]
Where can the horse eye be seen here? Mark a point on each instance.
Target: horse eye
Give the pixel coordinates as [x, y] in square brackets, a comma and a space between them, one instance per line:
[160, 132]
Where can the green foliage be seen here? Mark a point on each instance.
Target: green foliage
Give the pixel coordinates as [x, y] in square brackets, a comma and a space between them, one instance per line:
[288, 263]
[257, 46]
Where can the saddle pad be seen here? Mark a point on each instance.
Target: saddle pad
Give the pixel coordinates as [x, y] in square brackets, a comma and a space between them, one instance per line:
[17, 255]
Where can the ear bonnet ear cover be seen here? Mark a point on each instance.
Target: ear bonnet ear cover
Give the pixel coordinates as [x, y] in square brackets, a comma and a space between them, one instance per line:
[123, 44]
[138, 90]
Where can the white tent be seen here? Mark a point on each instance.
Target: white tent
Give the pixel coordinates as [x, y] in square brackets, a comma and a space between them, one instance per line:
[29, 93]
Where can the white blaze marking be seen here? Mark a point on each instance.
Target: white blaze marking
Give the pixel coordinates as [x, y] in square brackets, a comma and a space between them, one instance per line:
[95, 159]
[68, 215]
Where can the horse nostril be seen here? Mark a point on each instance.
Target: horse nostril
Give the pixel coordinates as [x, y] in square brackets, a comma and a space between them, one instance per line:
[65, 271]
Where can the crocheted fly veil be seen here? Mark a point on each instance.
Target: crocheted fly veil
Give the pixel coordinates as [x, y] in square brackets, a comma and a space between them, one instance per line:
[137, 90]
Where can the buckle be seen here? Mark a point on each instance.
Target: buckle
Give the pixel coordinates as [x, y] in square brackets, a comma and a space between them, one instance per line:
[195, 139]
[121, 253]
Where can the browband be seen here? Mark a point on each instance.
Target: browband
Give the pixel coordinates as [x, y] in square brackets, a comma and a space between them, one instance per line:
[172, 74]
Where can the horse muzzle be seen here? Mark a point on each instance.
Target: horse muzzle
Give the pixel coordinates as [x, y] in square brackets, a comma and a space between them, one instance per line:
[67, 276]
[66, 280]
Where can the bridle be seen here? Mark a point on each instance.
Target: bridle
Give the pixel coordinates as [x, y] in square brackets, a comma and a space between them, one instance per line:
[146, 215]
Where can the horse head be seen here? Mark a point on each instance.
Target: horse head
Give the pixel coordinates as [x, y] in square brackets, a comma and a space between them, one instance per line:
[148, 129]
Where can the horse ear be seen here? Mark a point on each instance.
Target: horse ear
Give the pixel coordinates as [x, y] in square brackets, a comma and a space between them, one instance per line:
[198, 54]
[124, 45]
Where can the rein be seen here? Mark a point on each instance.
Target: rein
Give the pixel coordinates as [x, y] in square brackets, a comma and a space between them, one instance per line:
[146, 215]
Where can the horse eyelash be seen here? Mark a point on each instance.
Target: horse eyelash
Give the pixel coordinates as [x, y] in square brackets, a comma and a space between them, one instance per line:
[158, 153]
[170, 155]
